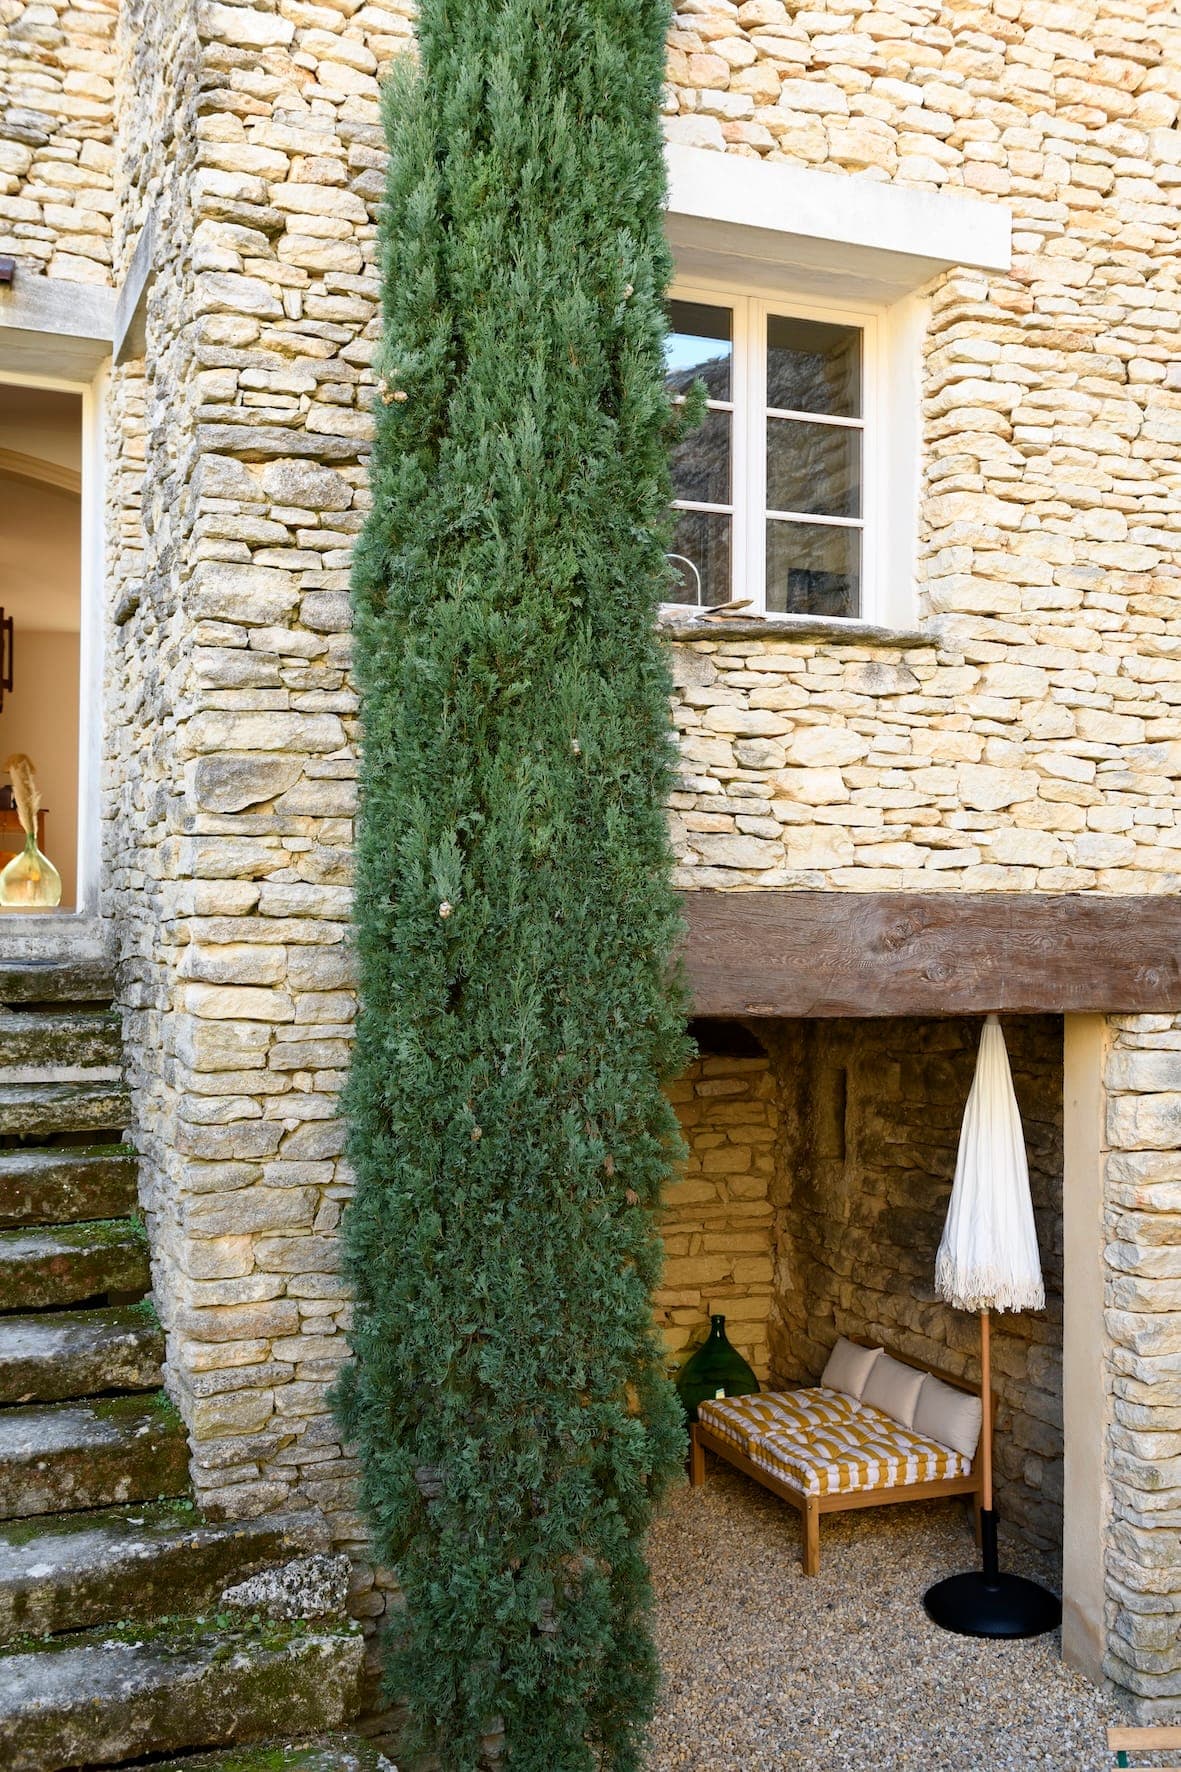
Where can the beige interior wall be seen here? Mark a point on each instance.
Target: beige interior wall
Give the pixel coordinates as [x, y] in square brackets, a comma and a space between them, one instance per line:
[40, 717]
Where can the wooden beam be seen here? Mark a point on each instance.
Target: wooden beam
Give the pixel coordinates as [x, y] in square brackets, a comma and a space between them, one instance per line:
[784, 953]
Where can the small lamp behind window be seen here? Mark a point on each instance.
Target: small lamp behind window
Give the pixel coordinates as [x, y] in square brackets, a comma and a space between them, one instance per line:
[6, 650]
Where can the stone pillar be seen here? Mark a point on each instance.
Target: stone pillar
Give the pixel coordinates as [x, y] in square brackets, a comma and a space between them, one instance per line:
[1142, 1227]
[253, 138]
[1086, 1377]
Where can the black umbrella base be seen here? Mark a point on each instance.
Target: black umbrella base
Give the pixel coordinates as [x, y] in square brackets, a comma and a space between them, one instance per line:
[985, 1603]
[975, 1605]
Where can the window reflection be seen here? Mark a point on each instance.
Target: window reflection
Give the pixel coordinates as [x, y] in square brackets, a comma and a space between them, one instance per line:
[700, 557]
[813, 569]
[813, 367]
[700, 343]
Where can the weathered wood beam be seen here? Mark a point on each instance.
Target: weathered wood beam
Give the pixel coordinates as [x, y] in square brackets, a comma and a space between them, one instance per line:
[784, 953]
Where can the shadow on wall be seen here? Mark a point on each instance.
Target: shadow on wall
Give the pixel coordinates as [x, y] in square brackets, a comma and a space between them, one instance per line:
[718, 1224]
[869, 1116]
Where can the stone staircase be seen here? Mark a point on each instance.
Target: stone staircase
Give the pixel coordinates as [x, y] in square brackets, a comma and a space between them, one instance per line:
[117, 1643]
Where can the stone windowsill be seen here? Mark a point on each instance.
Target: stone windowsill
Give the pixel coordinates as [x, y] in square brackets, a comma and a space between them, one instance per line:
[834, 630]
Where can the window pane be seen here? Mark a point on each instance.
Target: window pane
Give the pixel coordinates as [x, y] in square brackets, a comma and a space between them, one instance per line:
[700, 554]
[813, 367]
[813, 468]
[813, 569]
[699, 343]
[701, 462]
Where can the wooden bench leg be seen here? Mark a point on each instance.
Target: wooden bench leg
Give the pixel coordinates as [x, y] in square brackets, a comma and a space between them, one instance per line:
[696, 1459]
[811, 1537]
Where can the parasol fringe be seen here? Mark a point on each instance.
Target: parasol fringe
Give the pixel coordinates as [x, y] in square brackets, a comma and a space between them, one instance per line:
[985, 1289]
[24, 791]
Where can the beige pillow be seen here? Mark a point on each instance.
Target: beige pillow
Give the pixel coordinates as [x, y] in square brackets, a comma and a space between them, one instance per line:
[950, 1416]
[894, 1388]
[848, 1367]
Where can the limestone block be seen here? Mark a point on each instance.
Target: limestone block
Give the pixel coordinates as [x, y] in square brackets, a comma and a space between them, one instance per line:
[1145, 1122]
[251, 1209]
[222, 732]
[1143, 1071]
[753, 722]
[238, 1002]
[812, 787]
[306, 484]
[240, 1322]
[220, 1046]
[244, 26]
[991, 789]
[232, 783]
[822, 746]
[244, 963]
[258, 594]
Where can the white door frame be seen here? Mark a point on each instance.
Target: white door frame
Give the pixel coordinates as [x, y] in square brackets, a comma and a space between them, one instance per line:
[84, 917]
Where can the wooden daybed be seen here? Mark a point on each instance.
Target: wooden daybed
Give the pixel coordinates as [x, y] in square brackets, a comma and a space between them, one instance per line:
[809, 1446]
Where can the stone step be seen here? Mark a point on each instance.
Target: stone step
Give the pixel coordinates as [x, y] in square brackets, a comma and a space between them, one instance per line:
[52, 1355]
[75, 1037]
[343, 1753]
[66, 1184]
[62, 1457]
[82, 980]
[132, 1563]
[41, 1266]
[37, 1110]
[100, 1701]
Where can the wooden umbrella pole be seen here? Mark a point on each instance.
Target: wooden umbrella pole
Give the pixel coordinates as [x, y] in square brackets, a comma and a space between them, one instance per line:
[986, 1412]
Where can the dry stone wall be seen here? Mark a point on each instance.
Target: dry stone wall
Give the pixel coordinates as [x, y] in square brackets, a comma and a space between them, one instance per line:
[717, 1226]
[250, 139]
[819, 762]
[1143, 1297]
[57, 104]
[1017, 744]
[871, 1115]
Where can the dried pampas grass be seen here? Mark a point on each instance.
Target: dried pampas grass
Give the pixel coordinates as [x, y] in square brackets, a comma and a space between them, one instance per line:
[24, 790]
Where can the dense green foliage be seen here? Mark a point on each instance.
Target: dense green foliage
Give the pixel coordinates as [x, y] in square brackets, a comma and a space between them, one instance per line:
[515, 922]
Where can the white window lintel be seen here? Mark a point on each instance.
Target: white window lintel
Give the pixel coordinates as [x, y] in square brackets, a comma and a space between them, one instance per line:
[733, 216]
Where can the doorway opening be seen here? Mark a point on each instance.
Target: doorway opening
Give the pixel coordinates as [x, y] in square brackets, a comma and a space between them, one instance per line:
[41, 577]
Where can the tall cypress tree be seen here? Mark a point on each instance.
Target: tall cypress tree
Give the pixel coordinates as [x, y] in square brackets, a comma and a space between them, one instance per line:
[515, 923]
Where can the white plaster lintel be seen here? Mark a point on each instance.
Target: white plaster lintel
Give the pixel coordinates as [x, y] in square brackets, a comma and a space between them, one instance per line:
[130, 320]
[55, 328]
[828, 230]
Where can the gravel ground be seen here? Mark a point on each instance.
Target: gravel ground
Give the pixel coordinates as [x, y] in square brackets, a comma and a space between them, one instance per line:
[765, 1671]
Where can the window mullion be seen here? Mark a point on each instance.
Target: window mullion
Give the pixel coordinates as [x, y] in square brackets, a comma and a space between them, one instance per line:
[755, 498]
[872, 445]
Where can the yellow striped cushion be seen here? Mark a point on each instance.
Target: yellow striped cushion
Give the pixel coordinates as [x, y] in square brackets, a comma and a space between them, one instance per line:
[823, 1442]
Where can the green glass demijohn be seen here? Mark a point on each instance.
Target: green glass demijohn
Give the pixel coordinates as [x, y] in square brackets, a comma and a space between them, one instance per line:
[715, 1370]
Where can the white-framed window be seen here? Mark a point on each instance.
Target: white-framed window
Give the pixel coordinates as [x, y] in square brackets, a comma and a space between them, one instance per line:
[776, 493]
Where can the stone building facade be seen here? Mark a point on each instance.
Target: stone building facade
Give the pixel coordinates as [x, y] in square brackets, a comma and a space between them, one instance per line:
[1009, 725]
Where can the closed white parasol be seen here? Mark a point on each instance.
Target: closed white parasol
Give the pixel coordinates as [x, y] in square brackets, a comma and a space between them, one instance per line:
[988, 1257]
[988, 1261]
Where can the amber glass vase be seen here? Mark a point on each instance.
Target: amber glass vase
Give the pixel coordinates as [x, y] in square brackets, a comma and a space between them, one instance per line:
[715, 1370]
[31, 880]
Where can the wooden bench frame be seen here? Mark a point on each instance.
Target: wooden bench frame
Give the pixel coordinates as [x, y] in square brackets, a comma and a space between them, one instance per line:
[703, 1439]
[1154, 1738]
